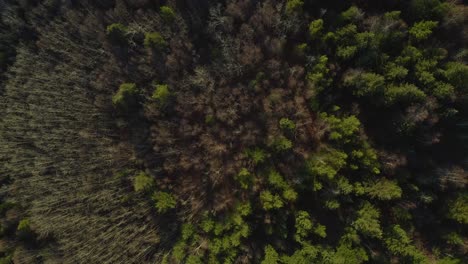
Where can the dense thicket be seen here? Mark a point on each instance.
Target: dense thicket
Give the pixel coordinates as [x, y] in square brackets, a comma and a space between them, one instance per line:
[234, 131]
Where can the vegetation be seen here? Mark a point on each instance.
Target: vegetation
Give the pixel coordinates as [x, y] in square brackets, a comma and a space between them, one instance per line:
[234, 131]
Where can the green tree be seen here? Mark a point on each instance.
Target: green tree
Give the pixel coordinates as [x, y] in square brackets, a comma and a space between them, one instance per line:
[303, 225]
[294, 6]
[346, 52]
[398, 242]
[126, 96]
[316, 28]
[422, 30]
[405, 93]
[287, 124]
[425, 9]
[271, 256]
[352, 14]
[384, 189]
[289, 194]
[276, 180]
[117, 33]
[394, 71]
[364, 84]
[244, 178]
[164, 201]
[318, 76]
[326, 163]
[367, 221]
[154, 40]
[341, 129]
[443, 90]
[270, 201]
[161, 94]
[167, 14]
[282, 144]
[346, 254]
[257, 155]
[457, 75]
[143, 182]
[458, 209]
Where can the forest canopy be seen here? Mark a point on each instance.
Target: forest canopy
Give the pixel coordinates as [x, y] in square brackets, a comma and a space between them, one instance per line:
[234, 131]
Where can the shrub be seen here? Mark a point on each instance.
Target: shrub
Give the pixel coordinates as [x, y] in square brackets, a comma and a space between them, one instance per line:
[164, 201]
[167, 14]
[117, 33]
[143, 182]
[125, 96]
[154, 40]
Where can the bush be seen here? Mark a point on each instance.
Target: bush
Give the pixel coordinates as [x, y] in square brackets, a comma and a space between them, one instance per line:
[154, 40]
[164, 201]
[143, 182]
[125, 96]
[167, 14]
[117, 33]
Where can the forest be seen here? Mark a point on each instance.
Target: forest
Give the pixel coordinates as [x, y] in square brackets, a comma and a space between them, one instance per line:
[234, 131]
